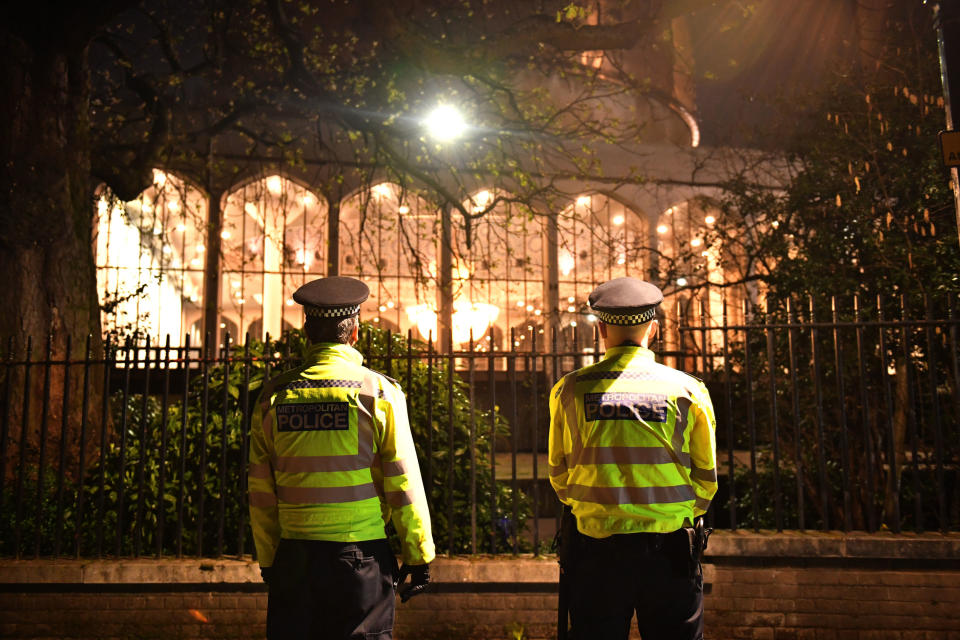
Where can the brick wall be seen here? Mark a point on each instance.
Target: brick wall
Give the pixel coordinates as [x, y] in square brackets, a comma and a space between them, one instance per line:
[765, 586]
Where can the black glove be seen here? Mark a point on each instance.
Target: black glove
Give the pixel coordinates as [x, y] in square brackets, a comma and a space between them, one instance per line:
[266, 573]
[419, 579]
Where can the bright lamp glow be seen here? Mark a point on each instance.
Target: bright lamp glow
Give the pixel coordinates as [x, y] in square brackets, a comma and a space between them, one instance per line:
[445, 123]
[467, 317]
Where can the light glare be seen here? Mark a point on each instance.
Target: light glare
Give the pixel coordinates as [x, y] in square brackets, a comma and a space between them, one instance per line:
[445, 123]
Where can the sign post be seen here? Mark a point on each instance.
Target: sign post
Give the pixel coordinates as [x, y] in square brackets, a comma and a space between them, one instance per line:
[946, 18]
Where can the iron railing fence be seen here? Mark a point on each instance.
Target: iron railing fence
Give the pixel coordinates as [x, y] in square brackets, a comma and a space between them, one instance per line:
[814, 401]
[142, 450]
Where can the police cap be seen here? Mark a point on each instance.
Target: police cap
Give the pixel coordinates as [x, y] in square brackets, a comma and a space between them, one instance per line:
[625, 301]
[333, 297]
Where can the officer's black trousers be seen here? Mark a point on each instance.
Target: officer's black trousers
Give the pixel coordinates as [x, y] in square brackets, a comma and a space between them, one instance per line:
[323, 590]
[655, 575]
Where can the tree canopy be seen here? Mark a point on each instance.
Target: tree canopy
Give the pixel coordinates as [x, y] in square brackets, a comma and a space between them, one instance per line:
[212, 88]
[866, 207]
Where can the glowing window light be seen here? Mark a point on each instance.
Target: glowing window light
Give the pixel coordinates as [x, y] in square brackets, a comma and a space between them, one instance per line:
[583, 201]
[445, 123]
[467, 317]
[194, 298]
[159, 178]
[573, 323]
[662, 228]
[196, 262]
[537, 312]
[571, 299]
[618, 220]
[710, 219]
[308, 200]
[235, 284]
[566, 262]
[173, 206]
[775, 224]
[167, 249]
[201, 248]
[241, 301]
[461, 271]
[591, 317]
[520, 303]
[381, 190]
[681, 282]
[275, 185]
[425, 319]
[250, 209]
[696, 242]
[403, 209]
[258, 298]
[670, 211]
[390, 304]
[181, 227]
[529, 307]
[621, 260]
[571, 308]
[382, 308]
[225, 234]
[102, 206]
[289, 302]
[472, 318]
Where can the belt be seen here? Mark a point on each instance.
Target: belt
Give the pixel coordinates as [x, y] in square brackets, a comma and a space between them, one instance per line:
[639, 541]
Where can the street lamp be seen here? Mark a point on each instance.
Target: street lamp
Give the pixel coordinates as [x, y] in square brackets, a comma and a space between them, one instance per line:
[445, 123]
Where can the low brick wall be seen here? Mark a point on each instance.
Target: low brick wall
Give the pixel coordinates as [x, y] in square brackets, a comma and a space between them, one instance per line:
[771, 586]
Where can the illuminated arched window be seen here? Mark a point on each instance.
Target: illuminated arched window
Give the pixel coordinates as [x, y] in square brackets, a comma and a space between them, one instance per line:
[150, 260]
[695, 265]
[600, 239]
[389, 238]
[273, 240]
[499, 277]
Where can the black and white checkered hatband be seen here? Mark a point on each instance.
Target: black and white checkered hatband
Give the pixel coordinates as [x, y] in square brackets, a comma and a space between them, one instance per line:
[626, 319]
[332, 312]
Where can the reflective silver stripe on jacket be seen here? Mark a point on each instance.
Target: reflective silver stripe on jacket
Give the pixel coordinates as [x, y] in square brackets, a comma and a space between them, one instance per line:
[631, 455]
[630, 495]
[326, 495]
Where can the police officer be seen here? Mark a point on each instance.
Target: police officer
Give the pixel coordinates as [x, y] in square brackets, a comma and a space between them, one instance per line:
[633, 454]
[331, 462]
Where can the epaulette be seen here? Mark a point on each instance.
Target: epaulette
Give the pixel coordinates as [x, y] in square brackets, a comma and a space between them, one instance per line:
[383, 375]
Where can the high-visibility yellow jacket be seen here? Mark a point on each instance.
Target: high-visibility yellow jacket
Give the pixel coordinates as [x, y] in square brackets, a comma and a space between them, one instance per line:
[332, 458]
[632, 445]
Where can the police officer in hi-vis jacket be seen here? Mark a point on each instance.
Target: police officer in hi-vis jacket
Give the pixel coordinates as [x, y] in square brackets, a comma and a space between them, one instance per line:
[331, 462]
[632, 453]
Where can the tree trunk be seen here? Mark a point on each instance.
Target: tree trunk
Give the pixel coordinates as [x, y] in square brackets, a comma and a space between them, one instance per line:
[46, 217]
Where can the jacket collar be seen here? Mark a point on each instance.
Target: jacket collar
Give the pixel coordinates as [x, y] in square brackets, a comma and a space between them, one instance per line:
[332, 351]
[629, 352]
